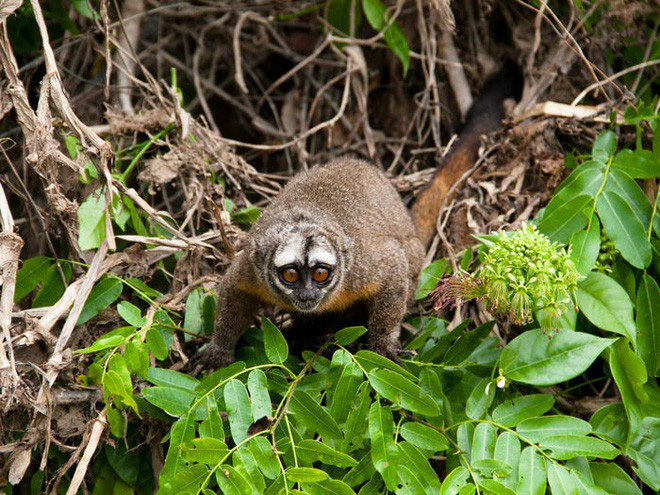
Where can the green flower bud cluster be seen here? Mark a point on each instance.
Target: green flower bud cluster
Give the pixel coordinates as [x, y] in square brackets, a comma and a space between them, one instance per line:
[523, 274]
[608, 253]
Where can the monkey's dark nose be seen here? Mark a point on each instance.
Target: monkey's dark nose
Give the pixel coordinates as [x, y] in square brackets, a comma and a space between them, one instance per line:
[307, 295]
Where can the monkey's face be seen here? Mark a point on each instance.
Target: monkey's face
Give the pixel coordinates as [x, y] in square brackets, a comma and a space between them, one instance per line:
[304, 268]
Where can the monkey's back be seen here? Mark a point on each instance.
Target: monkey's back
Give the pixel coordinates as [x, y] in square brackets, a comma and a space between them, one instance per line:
[353, 193]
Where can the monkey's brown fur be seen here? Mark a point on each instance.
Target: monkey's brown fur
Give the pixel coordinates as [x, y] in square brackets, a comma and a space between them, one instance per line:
[347, 215]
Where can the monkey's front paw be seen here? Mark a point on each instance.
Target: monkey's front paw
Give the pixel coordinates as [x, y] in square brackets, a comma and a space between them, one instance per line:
[391, 351]
[210, 359]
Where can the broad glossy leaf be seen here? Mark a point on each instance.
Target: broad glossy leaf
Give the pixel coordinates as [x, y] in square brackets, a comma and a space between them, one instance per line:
[370, 360]
[562, 222]
[536, 429]
[424, 437]
[175, 402]
[429, 278]
[357, 420]
[131, 314]
[586, 179]
[259, 396]
[626, 187]
[313, 450]
[403, 392]
[111, 339]
[492, 467]
[531, 473]
[156, 343]
[418, 472]
[91, 221]
[606, 305]
[513, 411]
[102, 295]
[232, 481]
[535, 358]
[206, 451]
[483, 442]
[192, 321]
[187, 481]
[313, 416]
[349, 335]
[262, 450]
[136, 353]
[172, 379]
[384, 453]
[630, 375]
[52, 286]
[305, 474]
[275, 344]
[238, 409]
[639, 164]
[217, 378]
[182, 432]
[28, 277]
[507, 450]
[565, 447]
[613, 479]
[585, 246]
[495, 487]
[344, 394]
[625, 230]
[480, 399]
[328, 487]
[648, 323]
[610, 423]
[604, 145]
[561, 480]
[454, 481]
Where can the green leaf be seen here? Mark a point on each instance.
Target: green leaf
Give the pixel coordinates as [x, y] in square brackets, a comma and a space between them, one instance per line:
[192, 321]
[621, 225]
[454, 481]
[531, 473]
[384, 454]
[562, 222]
[232, 481]
[349, 335]
[648, 324]
[313, 450]
[91, 221]
[174, 402]
[171, 379]
[416, 471]
[313, 416]
[625, 186]
[612, 478]
[182, 432]
[245, 217]
[259, 397]
[206, 451]
[430, 277]
[645, 450]
[356, 422]
[370, 360]
[424, 437]
[137, 357]
[102, 295]
[480, 399]
[52, 287]
[156, 343]
[305, 474]
[328, 487]
[262, 450]
[606, 305]
[513, 411]
[216, 378]
[492, 467]
[131, 314]
[483, 442]
[275, 344]
[630, 375]
[398, 43]
[344, 394]
[586, 179]
[536, 429]
[565, 447]
[639, 164]
[536, 359]
[30, 275]
[610, 423]
[585, 246]
[110, 339]
[238, 410]
[344, 15]
[493, 486]
[604, 146]
[467, 343]
[561, 480]
[211, 427]
[403, 392]
[187, 481]
[507, 450]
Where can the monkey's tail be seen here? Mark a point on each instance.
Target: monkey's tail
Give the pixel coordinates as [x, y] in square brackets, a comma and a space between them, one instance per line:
[485, 116]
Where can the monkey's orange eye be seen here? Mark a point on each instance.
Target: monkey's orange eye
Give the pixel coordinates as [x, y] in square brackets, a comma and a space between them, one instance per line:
[321, 275]
[290, 275]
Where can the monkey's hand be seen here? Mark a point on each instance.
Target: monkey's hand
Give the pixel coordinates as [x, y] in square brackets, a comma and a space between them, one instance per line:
[210, 359]
[390, 350]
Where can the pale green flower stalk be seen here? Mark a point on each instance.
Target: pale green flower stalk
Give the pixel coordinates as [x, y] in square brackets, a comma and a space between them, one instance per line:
[523, 275]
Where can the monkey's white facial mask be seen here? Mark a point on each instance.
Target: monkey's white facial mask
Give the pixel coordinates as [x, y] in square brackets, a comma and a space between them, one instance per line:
[304, 269]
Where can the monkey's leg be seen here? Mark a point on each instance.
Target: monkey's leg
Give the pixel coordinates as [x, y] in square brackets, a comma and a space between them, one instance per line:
[386, 310]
